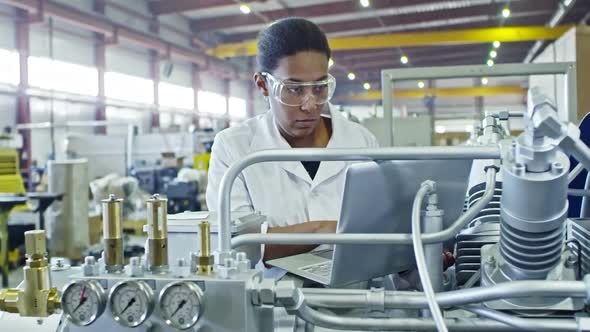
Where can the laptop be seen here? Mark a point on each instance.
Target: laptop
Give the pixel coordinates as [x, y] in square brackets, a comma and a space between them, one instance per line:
[378, 198]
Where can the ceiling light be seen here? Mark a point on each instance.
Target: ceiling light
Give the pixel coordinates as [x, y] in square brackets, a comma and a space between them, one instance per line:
[440, 129]
[496, 44]
[367, 86]
[365, 3]
[490, 62]
[421, 85]
[245, 9]
[404, 59]
[506, 12]
[351, 76]
[468, 128]
[493, 54]
[330, 63]
[484, 81]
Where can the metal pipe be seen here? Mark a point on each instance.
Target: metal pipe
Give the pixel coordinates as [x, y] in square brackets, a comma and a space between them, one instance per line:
[575, 172]
[356, 298]
[426, 188]
[517, 322]
[371, 238]
[417, 324]
[578, 192]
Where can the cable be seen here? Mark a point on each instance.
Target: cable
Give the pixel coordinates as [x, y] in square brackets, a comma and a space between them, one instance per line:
[424, 190]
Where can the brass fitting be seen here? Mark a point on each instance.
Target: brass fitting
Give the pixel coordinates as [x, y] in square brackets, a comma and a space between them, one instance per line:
[157, 230]
[205, 259]
[112, 232]
[38, 298]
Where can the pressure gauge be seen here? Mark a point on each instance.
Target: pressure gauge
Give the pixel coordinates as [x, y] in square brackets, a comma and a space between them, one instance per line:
[180, 304]
[83, 301]
[131, 302]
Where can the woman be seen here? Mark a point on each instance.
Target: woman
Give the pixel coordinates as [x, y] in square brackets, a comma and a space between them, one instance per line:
[298, 197]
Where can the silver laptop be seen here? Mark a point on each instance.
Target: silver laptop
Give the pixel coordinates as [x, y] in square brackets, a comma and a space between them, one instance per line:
[378, 198]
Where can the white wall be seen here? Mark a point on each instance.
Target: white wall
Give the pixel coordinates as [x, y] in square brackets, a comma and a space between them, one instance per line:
[63, 112]
[7, 111]
[66, 47]
[7, 27]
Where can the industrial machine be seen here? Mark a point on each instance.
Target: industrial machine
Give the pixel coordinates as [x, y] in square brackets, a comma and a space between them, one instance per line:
[530, 277]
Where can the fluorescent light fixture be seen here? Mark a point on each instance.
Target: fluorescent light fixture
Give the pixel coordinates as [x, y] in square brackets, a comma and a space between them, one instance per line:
[493, 54]
[404, 59]
[367, 86]
[440, 129]
[351, 76]
[490, 62]
[496, 44]
[484, 81]
[468, 128]
[365, 3]
[421, 85]
[506, 12]
[245, 9]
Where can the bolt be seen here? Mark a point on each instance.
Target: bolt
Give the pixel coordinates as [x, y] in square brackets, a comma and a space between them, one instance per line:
[556, 168]
[491, 261]
[89, 260]
[241, 256]
[134, 261]
[228, 262]
[518, 169]
[112, 197]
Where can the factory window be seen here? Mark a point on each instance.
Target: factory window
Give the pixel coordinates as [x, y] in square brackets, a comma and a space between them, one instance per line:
[128, 88]
[237, 108]
[176, 96]
[211, 102]
[9, 67]
[61, 76]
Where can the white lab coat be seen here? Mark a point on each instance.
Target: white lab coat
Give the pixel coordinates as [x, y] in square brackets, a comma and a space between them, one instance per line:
[282, 191]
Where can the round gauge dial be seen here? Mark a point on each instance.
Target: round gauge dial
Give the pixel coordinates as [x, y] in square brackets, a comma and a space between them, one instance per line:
[181, 305]
[83, 301]
[131, 302]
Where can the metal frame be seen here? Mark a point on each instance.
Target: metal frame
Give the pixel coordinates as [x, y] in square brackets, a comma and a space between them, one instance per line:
[390, 76]
[398, 153]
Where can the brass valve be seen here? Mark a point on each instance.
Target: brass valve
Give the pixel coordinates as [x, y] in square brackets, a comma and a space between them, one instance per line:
[37, 298]
[205, 259]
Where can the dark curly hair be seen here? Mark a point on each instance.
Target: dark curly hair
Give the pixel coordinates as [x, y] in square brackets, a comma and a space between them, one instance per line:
[287, 37]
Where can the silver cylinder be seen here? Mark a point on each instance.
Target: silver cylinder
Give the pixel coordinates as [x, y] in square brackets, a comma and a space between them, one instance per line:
[67, 220]
[534, 208]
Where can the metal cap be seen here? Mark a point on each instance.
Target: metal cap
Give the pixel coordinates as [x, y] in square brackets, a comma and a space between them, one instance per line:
[35, 243]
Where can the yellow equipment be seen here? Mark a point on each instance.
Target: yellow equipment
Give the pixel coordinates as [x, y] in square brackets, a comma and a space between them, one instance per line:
[201, 161]
[11, 180]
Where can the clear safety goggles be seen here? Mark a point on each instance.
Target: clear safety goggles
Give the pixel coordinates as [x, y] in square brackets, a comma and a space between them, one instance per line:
[299, 93]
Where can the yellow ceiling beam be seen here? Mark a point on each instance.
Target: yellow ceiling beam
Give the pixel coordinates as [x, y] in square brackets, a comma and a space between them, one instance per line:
[408, 39]
[482, 91]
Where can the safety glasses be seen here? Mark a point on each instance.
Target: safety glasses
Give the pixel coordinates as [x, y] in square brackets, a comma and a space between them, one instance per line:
[298, 93]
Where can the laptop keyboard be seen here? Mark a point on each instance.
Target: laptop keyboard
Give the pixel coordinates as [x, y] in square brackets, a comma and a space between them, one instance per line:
[321, 269]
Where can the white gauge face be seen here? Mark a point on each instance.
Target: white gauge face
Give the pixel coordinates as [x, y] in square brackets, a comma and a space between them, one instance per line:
[83, 301]
[180, 304]
[131, 302]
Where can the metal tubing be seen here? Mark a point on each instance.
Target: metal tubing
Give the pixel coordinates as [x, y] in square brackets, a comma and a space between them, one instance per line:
[517, 322]
[578, 192]
[372, 238]
[437, 315]
[575, 172]
[387, 85]
[581, 153]
[356, 298]
[416, 324]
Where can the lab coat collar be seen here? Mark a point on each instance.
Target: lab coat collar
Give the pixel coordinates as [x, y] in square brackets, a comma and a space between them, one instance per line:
[267, 136]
